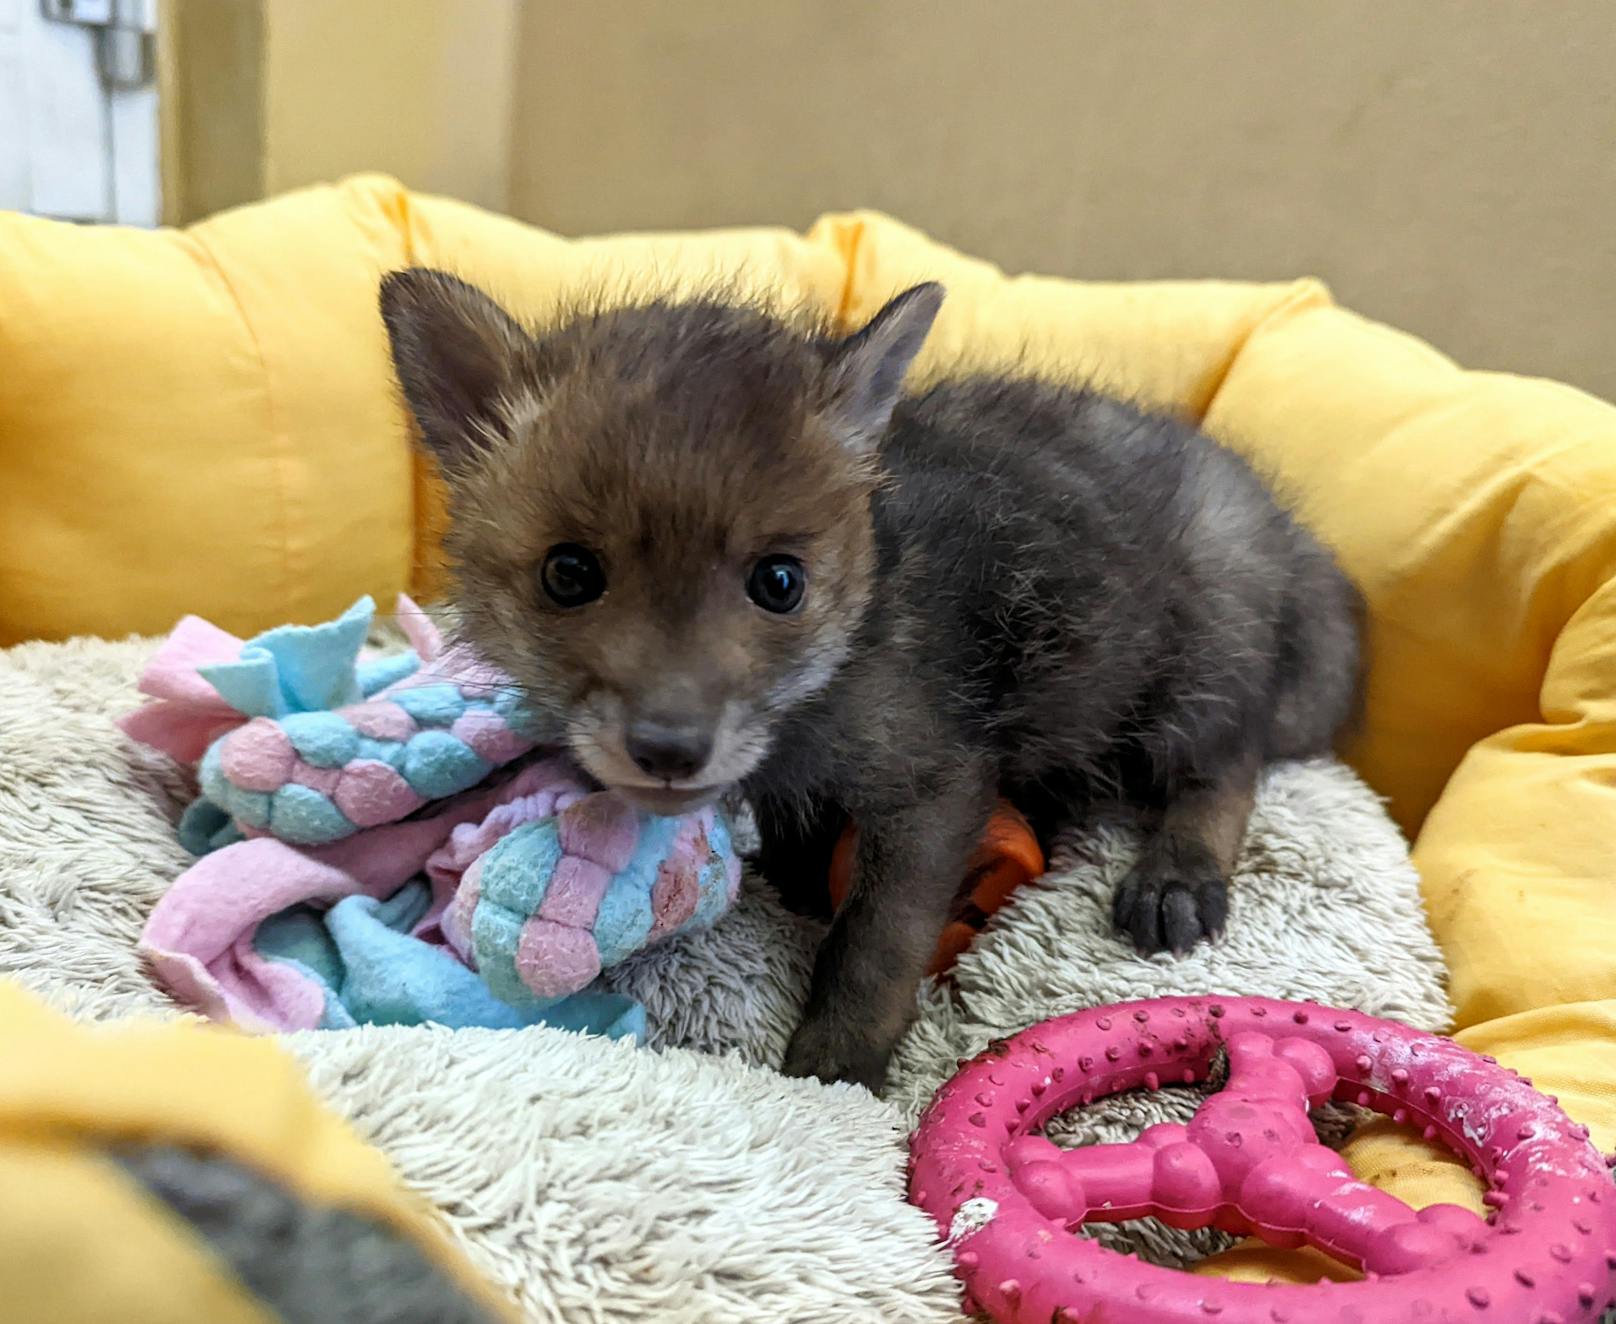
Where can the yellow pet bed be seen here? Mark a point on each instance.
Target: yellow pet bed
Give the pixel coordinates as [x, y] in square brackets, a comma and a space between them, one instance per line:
[205, 421]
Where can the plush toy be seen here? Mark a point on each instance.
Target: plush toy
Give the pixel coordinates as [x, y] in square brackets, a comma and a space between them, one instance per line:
[351, 873]
[558, 899]
[308, 743]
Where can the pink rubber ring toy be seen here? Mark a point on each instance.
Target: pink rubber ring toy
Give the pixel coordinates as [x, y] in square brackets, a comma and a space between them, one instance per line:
[1006, 1199]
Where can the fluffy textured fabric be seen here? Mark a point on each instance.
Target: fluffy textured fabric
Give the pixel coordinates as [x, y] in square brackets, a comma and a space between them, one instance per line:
[599, 1182]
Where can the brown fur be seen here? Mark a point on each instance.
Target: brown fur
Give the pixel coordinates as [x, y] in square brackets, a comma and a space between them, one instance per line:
[637, 450]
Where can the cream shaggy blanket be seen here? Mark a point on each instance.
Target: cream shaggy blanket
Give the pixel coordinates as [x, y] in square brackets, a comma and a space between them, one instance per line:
[691, 1183]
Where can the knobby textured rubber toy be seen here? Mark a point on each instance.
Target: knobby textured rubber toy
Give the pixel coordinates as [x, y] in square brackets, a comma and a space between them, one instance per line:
[1008, 1200]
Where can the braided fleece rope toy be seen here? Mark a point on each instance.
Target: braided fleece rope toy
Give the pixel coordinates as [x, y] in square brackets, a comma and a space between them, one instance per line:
[562, 896]
[300, 740]
[334, 746]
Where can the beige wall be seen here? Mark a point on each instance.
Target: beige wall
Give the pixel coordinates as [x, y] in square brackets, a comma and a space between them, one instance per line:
[210, 105]
[260, 96]
[418, 88]
[1448, 167]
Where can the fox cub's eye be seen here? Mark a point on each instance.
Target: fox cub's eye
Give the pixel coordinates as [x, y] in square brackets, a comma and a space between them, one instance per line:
[571, 575]
[776, 583]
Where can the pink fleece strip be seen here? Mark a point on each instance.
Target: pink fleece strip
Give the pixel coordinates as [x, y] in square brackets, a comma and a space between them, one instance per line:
[199, 939]
[188, 713]
[558, 781]
[425, 637]
[172, 671]
[601, 828]
[575, 892]
[555, 960]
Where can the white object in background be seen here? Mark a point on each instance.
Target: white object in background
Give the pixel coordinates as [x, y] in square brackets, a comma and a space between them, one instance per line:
[78, 109]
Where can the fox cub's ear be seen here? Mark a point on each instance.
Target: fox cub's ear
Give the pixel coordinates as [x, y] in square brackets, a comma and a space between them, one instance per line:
[865, 372]
[457, 354]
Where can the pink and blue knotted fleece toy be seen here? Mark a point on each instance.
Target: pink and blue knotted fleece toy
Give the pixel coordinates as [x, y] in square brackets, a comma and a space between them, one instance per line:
[381, 841]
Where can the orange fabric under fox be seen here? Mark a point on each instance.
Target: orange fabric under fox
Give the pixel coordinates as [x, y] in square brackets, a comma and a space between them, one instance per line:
[1007, 856]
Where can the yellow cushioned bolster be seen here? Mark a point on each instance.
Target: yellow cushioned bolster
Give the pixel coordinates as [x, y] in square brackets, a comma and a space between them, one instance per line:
[1162, 343]
[195, 421]
[79, 1241]
[68, 1090]
[206, 420]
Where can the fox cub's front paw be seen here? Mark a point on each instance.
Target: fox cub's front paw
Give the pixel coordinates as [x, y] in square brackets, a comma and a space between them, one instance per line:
[1174, 897]
[832, 1050]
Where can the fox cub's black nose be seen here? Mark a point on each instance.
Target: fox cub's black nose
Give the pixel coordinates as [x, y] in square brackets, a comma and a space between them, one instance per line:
[669, 753]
